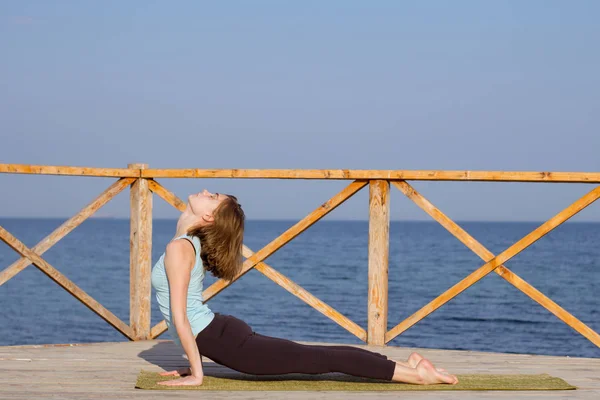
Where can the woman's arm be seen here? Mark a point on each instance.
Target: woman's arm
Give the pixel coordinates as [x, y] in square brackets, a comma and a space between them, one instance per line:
[179, 261]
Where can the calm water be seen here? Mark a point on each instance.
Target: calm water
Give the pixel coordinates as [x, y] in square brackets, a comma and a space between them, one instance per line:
[329, 260]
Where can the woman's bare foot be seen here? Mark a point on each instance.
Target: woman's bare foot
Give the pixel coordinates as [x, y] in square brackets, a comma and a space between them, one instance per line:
[429, 375]
[415, 358]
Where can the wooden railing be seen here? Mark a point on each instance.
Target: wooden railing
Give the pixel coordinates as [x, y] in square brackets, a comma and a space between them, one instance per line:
[143, 185]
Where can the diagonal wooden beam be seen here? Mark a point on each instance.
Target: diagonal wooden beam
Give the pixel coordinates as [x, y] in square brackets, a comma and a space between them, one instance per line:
[311, 300]
[549, 305]
[278, 242]
[158, 329]
[288, 235]
[270, 273]
[495, 262]
[166, 195]
[65, 283]
[63, 230]
[504, 272]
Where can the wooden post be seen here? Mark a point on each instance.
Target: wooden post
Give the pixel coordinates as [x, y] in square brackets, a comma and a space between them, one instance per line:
[140, 244]
[379, 232]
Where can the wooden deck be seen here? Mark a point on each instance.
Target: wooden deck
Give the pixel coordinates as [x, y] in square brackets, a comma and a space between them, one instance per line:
[109, 370]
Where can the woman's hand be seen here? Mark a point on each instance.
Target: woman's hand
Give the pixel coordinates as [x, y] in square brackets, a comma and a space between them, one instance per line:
[185, 371]
[190, 380]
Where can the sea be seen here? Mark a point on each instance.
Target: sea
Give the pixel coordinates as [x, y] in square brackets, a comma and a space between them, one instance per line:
[330, 260]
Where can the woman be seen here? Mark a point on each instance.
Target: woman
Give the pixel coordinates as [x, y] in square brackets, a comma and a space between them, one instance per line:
[209, 237]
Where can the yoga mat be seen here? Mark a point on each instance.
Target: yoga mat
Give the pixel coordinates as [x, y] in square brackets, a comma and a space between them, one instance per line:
[336, 382]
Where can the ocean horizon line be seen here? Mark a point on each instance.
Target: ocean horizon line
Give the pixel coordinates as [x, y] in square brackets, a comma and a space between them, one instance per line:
[110, 218]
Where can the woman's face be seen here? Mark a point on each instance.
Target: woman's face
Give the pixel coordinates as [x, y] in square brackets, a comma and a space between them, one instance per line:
[204, 203]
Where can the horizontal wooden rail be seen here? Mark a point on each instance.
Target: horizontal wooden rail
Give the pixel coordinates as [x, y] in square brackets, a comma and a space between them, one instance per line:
[498, 176]
[64, 170]
[338, 174]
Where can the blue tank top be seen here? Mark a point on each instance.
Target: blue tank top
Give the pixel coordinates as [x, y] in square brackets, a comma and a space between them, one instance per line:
[198, 313]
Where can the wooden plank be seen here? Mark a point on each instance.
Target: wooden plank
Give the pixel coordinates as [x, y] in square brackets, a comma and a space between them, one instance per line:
[65, 170]
[158, 329]
[504, 272]
[491, 265]
[287, 236]
[379, 239]
[166, 195]
[66, 228]
[345, 174]
[83, 372]
[348, 174]
[311, 300]
[65, 283]
[550, 305]
[140, 244]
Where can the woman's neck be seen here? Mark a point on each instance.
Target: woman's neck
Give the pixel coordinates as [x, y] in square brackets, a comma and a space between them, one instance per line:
[185, 222]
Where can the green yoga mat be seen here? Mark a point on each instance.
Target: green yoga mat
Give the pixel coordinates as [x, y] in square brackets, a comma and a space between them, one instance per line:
[336, 382]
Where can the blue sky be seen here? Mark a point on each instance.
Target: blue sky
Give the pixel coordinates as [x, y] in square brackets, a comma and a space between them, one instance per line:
[505, 85]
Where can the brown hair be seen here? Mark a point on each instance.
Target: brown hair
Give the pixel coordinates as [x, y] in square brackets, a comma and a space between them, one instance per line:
[221, 241]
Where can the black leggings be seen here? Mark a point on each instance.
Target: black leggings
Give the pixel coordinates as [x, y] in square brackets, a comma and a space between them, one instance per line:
[232, 343]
